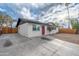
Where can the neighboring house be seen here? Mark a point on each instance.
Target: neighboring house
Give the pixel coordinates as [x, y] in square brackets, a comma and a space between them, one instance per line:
[6, 24]
[30, 28]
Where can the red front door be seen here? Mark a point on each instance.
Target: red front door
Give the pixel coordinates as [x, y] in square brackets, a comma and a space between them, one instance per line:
[43, 30]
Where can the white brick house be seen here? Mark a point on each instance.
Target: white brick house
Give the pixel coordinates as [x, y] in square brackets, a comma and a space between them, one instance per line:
[30, 28]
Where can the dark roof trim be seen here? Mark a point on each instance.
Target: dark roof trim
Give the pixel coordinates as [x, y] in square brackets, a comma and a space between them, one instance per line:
[22, 21]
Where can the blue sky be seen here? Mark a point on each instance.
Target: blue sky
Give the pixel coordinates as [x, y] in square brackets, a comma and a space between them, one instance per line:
[37, 10]
[24, 10]
[16, 10]
[45, 12]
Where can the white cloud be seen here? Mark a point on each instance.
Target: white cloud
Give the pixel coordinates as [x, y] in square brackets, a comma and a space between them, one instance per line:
[2, 10]
[35, 5]
[40, 5]
[26, 13]
[60, 15]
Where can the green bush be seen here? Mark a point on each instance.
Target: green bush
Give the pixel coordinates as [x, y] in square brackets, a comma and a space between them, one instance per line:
[75, 26]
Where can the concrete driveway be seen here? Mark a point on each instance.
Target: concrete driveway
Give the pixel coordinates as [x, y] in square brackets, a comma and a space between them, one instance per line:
[73, 38]
[23, 46]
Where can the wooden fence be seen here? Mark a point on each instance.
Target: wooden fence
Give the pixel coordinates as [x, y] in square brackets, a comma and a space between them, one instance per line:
[69, 31]
[7, 30]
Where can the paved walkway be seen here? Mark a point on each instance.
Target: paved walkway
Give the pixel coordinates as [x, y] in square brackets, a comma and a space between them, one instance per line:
[23, 46]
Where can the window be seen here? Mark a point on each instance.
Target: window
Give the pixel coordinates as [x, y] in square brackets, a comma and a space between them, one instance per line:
[50, 28]
[36, 27]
